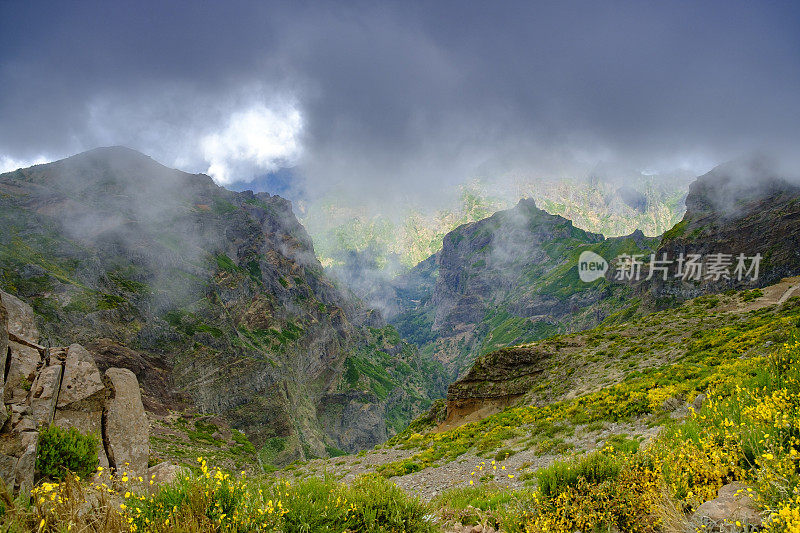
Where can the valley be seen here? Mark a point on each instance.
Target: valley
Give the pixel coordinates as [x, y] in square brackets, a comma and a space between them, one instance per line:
[399, 267]
[488, 367]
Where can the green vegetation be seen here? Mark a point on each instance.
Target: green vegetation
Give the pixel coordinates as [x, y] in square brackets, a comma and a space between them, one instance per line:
[226, 264]
[380, 382]
[506, 329]
[676, 231]
[749, 296]
[61, 451]
[222, 207]
[696, 363]
[592, 468]
[214, 500]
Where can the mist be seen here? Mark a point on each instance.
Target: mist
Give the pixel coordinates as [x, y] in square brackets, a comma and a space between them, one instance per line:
[401, 99]
[375, 118]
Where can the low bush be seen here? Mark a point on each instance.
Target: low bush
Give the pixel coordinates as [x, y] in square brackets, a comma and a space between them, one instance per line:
[61, 451]
[593, 468]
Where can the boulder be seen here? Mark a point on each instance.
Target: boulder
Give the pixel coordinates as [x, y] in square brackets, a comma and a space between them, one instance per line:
[25, 466]
[733, 503]
[127, 428]
[44, 394]
[164, 472]
[81, 383]
[8, 464]
[21, 372]
[21, 321]
[699, 402]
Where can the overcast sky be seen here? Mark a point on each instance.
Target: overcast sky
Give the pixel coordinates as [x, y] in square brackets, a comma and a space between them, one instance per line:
[400, 98]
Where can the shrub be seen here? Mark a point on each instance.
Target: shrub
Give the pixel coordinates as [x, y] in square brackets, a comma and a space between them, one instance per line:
[398, 468]
[65, 450]
[504, 454]
[217, 501]
[593, 468]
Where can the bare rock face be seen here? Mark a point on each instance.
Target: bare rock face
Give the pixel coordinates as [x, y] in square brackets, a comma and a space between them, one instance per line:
[82, 382]
[21, 371]
[732, 504]
[20, 318]
[164, 472]
[44, 394]
[3, 358]
[127, 428]
[61, 386]
[3, 334]
[494, 382]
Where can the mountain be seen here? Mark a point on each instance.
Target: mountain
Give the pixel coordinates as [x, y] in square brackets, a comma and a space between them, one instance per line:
[513, 277]
[507, 279]
[351, 238]
[215, 299]
[740, 208]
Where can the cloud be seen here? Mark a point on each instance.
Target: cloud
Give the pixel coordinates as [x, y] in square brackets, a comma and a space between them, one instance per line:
[402, 100]
[254, 141]
[7, 164]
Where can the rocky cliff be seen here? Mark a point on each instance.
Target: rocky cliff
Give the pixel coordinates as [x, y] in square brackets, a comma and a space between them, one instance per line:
[504, 280]
[214, 299]
[738, 208]
[62, 386]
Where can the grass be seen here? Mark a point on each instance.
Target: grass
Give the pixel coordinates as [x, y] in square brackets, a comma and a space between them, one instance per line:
[701, 360]
[593, 468]
[208, 500]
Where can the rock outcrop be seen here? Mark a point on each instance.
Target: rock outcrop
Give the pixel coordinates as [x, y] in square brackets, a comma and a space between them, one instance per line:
[732, 511]
[126, 429]
[494, 382]
[62, 386]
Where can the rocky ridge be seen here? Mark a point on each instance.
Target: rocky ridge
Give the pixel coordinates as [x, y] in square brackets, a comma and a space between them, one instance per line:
[64, 387]
[507, 279]
[744, 207]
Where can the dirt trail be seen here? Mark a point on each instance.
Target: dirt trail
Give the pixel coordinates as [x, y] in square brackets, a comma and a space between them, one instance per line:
[789, 292]
[773, 295]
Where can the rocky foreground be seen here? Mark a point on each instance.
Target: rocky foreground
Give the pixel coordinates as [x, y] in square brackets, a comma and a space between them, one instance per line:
[63, 386]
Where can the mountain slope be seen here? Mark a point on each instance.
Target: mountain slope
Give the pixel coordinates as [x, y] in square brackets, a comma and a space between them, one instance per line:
[214, 298]
[504, 280]
[737, 208]
[522, 408]
[743, 207]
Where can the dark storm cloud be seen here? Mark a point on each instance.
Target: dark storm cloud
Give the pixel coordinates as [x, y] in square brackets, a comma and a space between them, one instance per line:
[373, 97]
